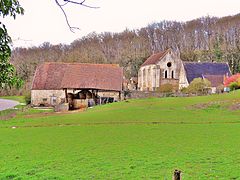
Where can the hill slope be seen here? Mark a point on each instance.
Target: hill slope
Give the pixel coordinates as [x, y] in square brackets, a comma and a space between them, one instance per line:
[135, 139]
[204, 39]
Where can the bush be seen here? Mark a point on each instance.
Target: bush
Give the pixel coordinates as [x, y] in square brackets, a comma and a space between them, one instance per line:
[231, 79]
[199, 86]
[233, 82]
[184, 90]
[233, 86]
[220, 89]
[27, 98]
[166, 88]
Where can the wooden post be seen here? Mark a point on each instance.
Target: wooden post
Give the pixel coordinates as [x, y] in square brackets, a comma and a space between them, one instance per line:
[66, 95]
[177, 175]
[119, 95]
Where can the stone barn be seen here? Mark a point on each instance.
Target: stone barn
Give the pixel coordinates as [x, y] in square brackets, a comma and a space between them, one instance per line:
[56, 83]
[167, 68]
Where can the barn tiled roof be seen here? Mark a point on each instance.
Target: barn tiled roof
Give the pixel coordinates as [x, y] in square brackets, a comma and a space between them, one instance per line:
[54, 76]
[216, 80]
[153, 59]
[196, 70]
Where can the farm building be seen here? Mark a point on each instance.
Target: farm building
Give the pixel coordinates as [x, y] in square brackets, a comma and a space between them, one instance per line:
[56, 83]
[214, 72]
[167, 68]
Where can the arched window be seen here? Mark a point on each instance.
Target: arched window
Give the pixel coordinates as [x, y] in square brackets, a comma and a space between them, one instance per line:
[144, 77]
[139, 77]
[172, 74]
[165, 75]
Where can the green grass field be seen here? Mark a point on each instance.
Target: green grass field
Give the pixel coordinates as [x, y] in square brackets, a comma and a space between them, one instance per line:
[134, 139]
[20, 99]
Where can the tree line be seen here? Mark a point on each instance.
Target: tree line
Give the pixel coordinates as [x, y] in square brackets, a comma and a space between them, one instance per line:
[203, 39]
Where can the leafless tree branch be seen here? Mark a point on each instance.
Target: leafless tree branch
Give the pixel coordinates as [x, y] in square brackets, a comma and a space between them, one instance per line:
[81, 3]
[64, 4]
[20, 39]
[65, 15]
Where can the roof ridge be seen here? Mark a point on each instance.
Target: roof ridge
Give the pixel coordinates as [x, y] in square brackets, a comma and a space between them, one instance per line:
[154, 58]
[191, 62]
[80, 63]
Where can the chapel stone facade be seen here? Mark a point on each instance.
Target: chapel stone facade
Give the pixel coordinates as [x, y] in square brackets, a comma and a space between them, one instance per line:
[158, 69]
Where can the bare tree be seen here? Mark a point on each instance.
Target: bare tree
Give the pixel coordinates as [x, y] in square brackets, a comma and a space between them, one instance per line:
[65, 2]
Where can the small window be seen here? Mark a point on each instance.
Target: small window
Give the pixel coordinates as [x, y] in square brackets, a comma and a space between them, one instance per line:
[54, 99]
[169, 64]
[172, 74]
[165, 75]
[44, 99]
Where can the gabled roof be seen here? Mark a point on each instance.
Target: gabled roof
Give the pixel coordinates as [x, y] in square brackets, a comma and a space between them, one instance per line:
[216, 80]
[196, 70]
[54, 76]
[155, 58]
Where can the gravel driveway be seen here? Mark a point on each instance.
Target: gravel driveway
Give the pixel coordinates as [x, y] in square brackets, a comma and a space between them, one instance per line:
[7, 104]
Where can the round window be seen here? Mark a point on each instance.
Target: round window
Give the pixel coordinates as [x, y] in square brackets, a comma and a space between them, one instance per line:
[169, 64]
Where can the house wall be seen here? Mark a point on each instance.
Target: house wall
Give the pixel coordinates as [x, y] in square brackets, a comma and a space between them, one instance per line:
[151, 77]
[113, 94]
[183, 82]
[47, 97]
[54, 97]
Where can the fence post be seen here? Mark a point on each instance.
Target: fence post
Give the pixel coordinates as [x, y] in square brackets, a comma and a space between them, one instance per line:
[177, 175]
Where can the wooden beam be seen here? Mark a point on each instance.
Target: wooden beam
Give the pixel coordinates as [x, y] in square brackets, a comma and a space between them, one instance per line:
[119, 95]
[66, 95]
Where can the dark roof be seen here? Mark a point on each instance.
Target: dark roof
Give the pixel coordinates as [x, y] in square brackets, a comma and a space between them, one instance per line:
[153, 59]
[54, 76]
[196, 70]
[216, 80]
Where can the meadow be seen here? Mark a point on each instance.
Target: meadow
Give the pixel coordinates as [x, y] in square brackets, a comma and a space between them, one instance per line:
[133, 139]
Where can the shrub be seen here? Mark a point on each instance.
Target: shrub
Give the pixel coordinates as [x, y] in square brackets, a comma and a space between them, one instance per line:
[27, 98]
[184, 90]
[233, 78]
[166, 88]
[220, 89]
[199, 85]
[233, 82]
[233, 86]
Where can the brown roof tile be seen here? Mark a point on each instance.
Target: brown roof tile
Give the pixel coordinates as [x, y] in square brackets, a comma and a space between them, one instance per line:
[50, 76]
[153, 59]
[215, 80]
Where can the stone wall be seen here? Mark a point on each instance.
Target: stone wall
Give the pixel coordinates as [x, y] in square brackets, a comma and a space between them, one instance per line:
[112, 94]
[149, 94]
[183, 82]
[174, 82]
[47, 97]
[55, 97]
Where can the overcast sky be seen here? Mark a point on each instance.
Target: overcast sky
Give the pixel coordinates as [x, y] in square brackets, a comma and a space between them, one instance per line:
[43, 20]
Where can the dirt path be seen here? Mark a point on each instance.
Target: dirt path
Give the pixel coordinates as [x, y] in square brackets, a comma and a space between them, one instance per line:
[7, 104]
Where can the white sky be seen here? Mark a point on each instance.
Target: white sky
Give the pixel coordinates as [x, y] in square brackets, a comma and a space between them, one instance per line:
[43, 20]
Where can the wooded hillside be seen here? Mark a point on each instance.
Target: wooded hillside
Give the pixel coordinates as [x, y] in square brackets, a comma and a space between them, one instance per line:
[203, 39]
